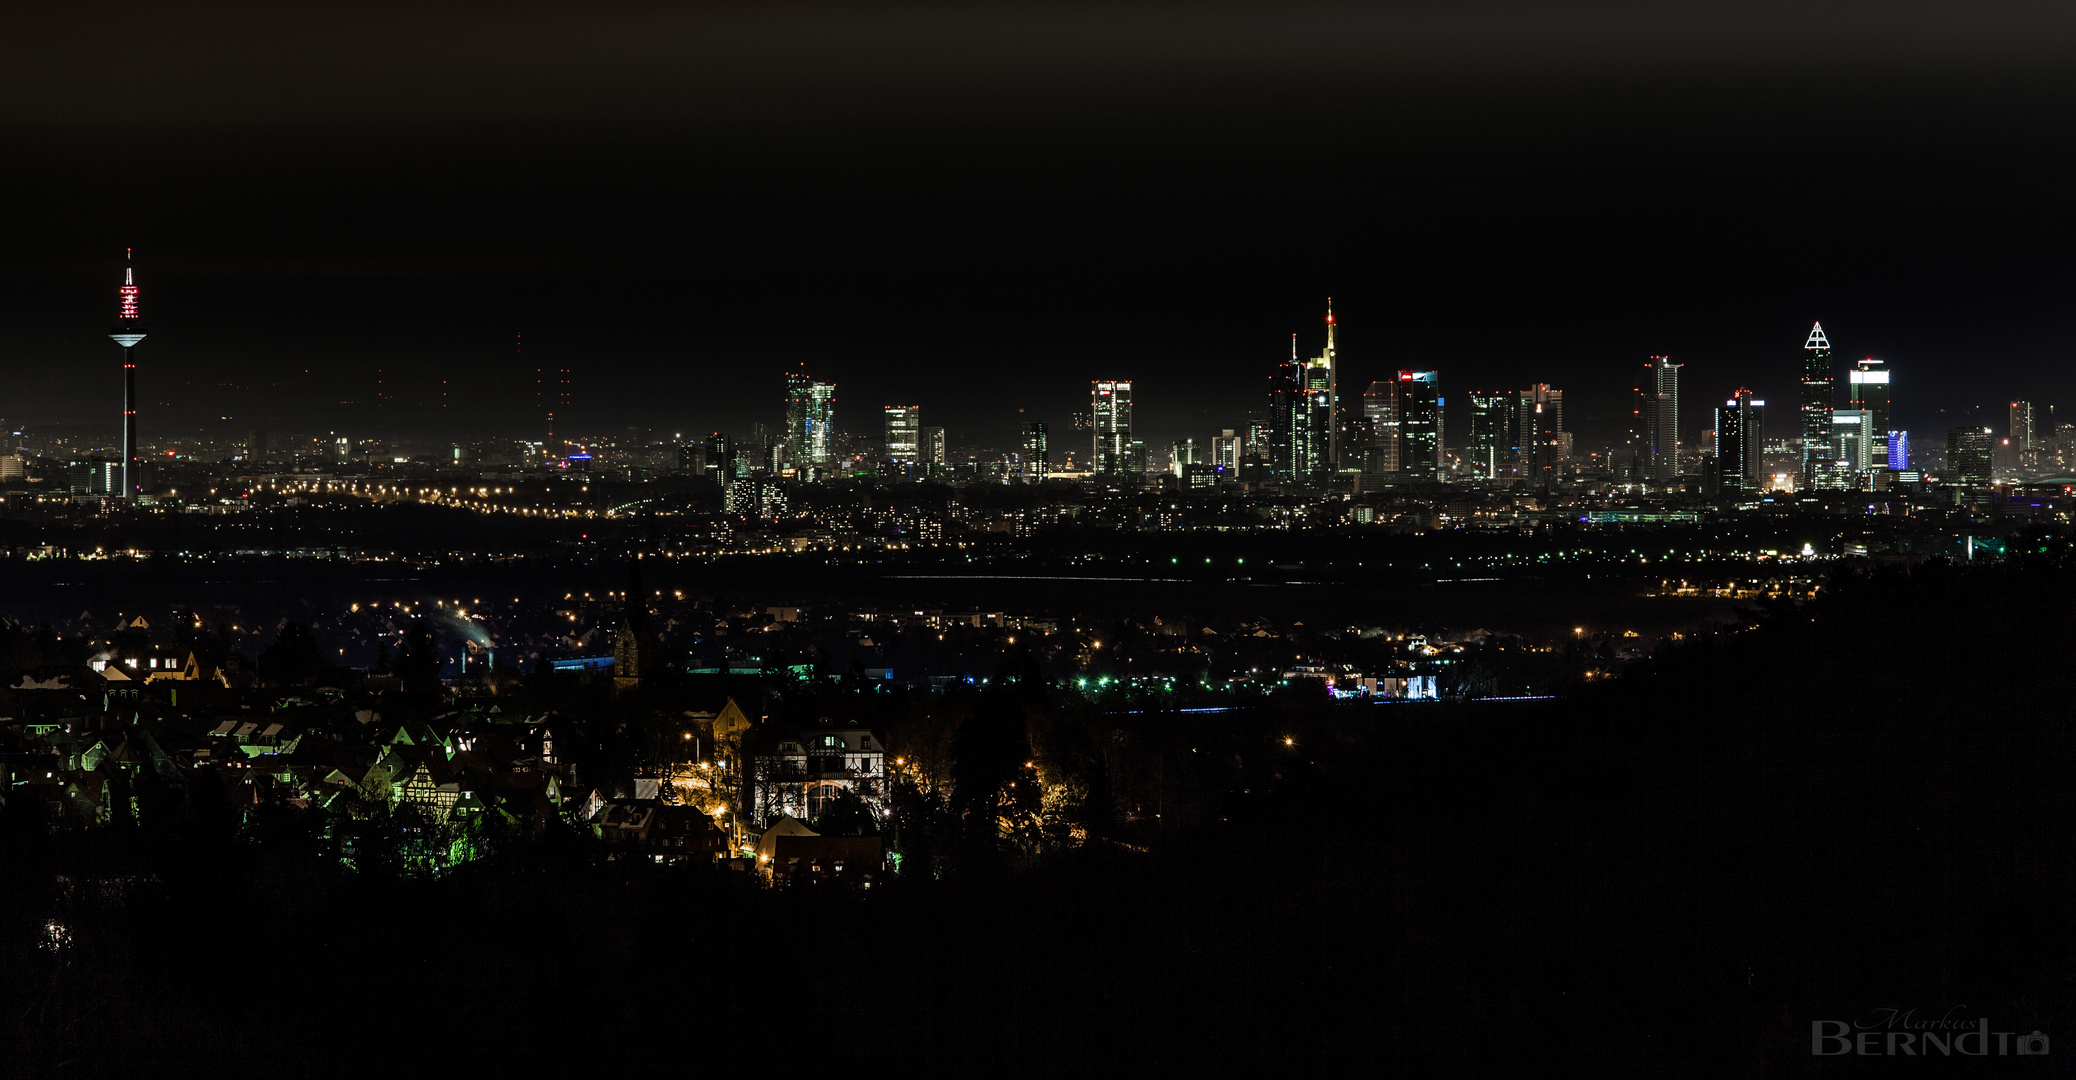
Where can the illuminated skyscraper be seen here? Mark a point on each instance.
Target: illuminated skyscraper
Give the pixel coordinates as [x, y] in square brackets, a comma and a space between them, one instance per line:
[2024, 433]
[1288, 446]
[904, 433]
[720, 456]
[1816, 406]
[1227, 447]
[1658, 423]
[1867, 388]
[1304, 414]
[1037, 463]
[1323, 384]
[1495, 432]
[1254, 452]
[932, 446]
[1853, 440]
[810, 420]
[1740, 441]
[1183, 454]
[1110, 408]
[1380, 411]
[1419, 424]
[1969, 454]
[1544, 444]
[127, 332]
[95, 477]
[1320, 418]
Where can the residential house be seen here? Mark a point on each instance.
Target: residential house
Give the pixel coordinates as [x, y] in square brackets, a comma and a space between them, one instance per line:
[826, 860]
[659, 831]
[803, 773]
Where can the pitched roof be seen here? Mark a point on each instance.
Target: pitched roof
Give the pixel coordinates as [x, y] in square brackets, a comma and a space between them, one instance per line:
[785, 826]
[861, 849]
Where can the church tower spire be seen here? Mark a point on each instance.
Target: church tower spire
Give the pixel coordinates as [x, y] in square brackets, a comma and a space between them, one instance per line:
[634, 644]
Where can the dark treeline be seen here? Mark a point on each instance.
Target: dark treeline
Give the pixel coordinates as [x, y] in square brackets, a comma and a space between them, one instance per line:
[1861, 804]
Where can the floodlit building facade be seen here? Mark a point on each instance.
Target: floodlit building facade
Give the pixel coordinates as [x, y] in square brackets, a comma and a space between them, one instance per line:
[805, 772]
[904, 433]
[810, 421]
[1116, 453]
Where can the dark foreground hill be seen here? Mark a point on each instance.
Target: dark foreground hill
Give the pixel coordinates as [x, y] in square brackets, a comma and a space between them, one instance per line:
[1860, 806]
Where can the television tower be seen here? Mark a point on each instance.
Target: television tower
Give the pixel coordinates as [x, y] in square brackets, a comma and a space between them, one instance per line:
[127, 332]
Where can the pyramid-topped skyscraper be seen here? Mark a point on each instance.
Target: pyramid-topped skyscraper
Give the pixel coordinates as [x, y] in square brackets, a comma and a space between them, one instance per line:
[1816, 405]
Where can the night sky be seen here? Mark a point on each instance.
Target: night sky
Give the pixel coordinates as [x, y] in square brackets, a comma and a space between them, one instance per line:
[979, 208]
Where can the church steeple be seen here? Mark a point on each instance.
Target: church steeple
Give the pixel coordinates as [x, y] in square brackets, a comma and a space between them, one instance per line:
[634, 648]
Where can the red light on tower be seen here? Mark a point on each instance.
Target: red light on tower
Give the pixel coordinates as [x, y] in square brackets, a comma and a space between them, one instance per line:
[127, 332]
[128, 329]
[127, 293]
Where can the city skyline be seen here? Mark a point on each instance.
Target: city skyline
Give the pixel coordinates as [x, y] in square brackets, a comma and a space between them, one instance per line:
[1207, 539]
[536, 412]
[809, 426]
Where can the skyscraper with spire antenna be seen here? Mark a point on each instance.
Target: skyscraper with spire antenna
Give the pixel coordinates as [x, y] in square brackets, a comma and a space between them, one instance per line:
[1304, 402]
[1816, 407]
[127, 332]
[1321, 393]
[1329, 367]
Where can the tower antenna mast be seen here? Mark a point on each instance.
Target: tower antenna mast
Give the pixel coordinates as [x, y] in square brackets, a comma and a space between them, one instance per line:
[127, 332]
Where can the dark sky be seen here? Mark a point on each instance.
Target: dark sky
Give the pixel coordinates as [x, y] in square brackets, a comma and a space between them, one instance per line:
[978, 208]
